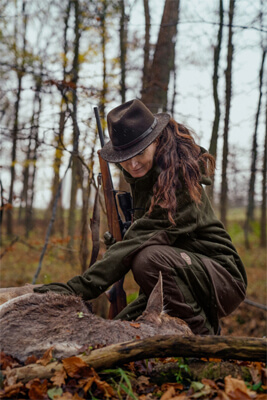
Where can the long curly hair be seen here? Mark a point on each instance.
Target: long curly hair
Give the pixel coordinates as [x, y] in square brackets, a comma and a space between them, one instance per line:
[182, 163]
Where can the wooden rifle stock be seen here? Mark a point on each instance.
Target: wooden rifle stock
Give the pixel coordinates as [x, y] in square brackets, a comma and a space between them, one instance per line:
[114, 222]
[116, 294]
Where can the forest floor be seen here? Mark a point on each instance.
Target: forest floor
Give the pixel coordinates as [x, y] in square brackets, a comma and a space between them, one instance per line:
[135, 380]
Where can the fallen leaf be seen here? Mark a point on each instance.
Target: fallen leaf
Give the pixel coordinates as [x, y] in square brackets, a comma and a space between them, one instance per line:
[105, 388]
[7, 361]
[168, 360]
[59, 378]
[255, 370]
[54, 393]
[216, 360]
[46, 359]
[67, 396]
[135, 324]
[176, 386]
[73, 365]
[37, 389]
[168, 394]
[237, 389]
[31, 360]
[196, 386]
[10, 377]
[142, 382]
[240, 395]
[203, 393]
[264, 376]
[86, 383]
[11, 391]
[209, 382]
[77, 397]
[221, 395]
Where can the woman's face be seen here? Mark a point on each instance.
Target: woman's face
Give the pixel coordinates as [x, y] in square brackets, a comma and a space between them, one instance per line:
[139, 165]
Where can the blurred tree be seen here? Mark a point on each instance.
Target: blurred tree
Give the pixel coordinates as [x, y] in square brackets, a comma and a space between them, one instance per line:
[263, 200]
[123, 50]
[29, 172]
[19, 61]
[146, 67]
[254, 154]
[155, 90]
[103, 10]
[228, 97]
[59, 137]
[76, 131]
[215, 80]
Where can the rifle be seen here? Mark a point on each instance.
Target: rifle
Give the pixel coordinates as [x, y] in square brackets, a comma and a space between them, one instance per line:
[116, 226]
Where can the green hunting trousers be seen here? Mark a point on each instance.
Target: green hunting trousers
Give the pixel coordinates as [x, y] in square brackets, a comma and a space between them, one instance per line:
[195, 288]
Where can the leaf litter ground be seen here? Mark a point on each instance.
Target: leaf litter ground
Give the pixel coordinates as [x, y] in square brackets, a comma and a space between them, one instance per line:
[173, 380]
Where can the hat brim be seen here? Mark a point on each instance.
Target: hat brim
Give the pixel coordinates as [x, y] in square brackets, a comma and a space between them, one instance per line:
[108, 153]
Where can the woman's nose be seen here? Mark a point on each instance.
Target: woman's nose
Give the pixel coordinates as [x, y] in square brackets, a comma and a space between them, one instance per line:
[133, 162]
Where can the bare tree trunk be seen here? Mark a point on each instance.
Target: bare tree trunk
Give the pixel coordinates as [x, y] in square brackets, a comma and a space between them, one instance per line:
[146, 67]
[228, 95]
[85, 179]
[155, 93]
[16, 118]
[254, 153]
[263, 200]
[104, 60]
[123, 49]
[215, 80]
[59, 225]
[76, 133]
[31, 165]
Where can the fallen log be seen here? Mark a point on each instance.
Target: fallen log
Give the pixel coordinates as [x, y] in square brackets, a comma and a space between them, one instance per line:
[227, 348]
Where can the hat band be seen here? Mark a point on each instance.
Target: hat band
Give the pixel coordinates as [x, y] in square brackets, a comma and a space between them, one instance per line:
[137, 140]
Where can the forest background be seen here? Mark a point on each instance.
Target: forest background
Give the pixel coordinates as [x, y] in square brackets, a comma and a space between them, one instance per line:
[203, 62]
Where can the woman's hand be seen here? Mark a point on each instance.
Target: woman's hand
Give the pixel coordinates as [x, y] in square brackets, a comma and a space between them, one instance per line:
[109, 240]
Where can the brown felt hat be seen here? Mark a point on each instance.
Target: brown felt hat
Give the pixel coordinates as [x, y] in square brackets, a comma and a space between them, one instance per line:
[132, 128]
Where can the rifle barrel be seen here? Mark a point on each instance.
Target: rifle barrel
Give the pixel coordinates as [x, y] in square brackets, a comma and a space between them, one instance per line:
[99, 127]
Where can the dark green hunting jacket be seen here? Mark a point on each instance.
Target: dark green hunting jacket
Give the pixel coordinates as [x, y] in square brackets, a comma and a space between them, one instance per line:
[197, 230]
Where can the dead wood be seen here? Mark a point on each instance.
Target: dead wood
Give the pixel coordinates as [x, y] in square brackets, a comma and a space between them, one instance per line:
[235, 348]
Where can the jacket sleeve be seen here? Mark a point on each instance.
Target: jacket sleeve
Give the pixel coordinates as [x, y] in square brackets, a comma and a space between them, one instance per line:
[150, 229]
[103, 273]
